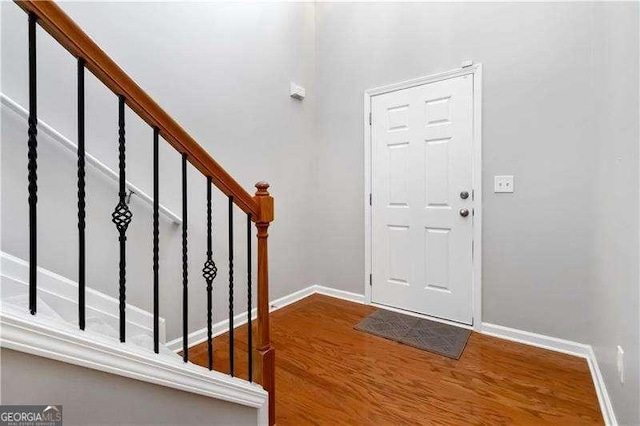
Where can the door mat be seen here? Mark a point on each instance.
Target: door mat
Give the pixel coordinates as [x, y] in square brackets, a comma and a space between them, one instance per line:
[442, 339]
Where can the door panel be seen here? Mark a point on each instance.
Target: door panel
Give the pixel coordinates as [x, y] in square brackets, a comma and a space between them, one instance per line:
[421, 162]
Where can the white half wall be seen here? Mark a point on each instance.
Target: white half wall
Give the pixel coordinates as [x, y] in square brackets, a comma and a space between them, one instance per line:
[83, 393]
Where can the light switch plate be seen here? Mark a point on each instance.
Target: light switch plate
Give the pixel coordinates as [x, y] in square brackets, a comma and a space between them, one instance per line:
[503, 184]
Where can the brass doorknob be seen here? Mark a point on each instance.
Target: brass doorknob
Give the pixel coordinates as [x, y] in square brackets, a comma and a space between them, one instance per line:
[464, 212]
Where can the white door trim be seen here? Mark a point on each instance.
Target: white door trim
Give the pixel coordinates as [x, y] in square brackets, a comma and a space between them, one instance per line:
[476, 71]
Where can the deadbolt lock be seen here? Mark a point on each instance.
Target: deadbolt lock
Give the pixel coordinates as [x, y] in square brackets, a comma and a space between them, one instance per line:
[464, 195]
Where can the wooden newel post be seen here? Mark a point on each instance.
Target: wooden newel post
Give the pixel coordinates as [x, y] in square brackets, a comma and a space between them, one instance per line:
[265, 353]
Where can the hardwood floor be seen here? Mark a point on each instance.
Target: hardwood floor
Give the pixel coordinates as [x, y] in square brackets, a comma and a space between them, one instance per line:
[327, 373]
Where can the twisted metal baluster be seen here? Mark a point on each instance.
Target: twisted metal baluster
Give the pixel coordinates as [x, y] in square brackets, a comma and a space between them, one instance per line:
[156, 244]
[209, 273]
[231, 285]
[185, 272]
[33, 166]
[81, 199]
[121, 216]
[250, 329]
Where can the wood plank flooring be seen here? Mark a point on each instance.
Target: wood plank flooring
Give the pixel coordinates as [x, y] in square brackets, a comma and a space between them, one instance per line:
[327, 373]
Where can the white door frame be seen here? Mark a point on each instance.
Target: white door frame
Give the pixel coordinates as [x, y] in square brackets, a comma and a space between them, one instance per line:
[475, 71]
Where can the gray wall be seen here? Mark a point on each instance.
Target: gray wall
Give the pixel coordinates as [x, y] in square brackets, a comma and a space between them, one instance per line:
[537, 125]
[91, 397]
[560, 255]
[616, 290]
[225, 77]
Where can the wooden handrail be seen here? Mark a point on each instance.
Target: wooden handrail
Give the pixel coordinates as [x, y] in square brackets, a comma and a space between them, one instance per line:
[66, 32]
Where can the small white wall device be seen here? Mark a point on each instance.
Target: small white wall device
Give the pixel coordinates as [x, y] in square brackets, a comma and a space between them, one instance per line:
[296, 91]
[503, 184]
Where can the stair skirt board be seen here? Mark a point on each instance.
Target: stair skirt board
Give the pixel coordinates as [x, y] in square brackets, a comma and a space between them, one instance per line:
[37, 336]
[62, 293]
[532, 339]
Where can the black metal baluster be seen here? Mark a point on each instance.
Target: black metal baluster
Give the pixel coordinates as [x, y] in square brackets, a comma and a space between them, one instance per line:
[185, 272]
[231, 286]
[209, 272]
[81, 198]
[121, 216]
[249, 330]
[156, 244]
[33, 166]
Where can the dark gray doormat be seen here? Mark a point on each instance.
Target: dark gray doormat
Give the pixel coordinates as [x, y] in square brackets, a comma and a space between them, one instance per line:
[432, 336]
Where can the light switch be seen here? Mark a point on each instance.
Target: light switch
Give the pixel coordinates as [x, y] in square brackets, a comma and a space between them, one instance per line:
[503, 184]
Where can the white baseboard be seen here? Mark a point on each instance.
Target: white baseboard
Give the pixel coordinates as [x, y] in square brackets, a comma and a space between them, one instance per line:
[537, 340]
[292, 298]
[339, 294]
[564, 346]
[601, 390]
[222, 327]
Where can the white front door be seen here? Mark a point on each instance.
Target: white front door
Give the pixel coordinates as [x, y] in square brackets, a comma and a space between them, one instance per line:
[422, 207]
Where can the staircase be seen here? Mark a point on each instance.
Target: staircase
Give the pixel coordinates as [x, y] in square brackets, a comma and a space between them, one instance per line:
[57, 306]
[47, 315]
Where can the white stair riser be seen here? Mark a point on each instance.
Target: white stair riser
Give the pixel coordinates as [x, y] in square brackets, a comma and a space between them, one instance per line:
[62, 295]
